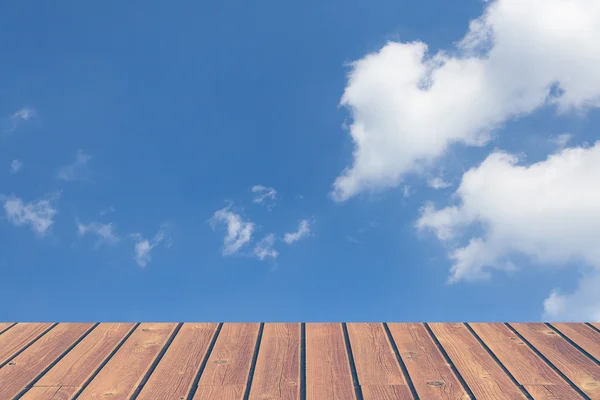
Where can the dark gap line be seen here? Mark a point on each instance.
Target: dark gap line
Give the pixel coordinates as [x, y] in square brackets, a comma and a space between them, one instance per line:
[156, 361]
[28, 345]
[254, 359]
[413, 390]
[103, 364]
[302, 361]
[53, 363]
[449, 361]
[593, 327]
[504, 369]
[543, 357]
[572, 343]
[357, 388]
[7, 328]
[194, 386]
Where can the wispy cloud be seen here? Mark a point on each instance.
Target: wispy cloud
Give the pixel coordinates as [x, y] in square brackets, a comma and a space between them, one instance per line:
[303, 231]
[15, 166]
[407, 191]
[264, 248]
[108, 210]
[438, 183]
[39, 214]
[144, 247]
[239, 232]
[562, 140]
[76, 171]
[18, 117]
[264, 195]
[104, 232]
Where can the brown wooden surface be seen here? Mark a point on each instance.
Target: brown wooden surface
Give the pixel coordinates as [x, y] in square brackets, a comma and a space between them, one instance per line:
[584, 336]
[430, 373]
[4, 326]
[277, 371]
[328, 373]
[23, 369]
[596, 325]
[18, 337]
[582, 371]
[125, 370]
[230, 360]
[161, 361]
[174, 376]
[81, 362]
[479, 370]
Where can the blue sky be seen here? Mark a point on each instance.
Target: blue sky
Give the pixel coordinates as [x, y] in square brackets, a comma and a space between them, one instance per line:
[325, 160]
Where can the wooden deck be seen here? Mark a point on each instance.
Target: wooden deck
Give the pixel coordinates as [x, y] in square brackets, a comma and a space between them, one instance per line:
[164, 361]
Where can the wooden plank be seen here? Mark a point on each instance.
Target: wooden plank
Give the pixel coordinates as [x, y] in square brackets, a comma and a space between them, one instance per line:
[479, 370]
[328, 373]
[28, 365]
[430, 373]
[277, 371]
[595, 325]
[174, 375]
[522, 362]
[582, 371]
[386, 392]
[50, 393]
[18, 337]
[583, 336]
[124, 372]
[552, 392]
[228, 392]
[4, 326]
[82, 362]
[230, 360]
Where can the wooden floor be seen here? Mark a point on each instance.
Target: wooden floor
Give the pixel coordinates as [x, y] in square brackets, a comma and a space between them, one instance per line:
[166, 361]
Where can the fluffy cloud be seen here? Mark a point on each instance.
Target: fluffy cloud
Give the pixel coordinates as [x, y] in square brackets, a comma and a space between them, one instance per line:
[303, 231]
[104, 232]
[264, 195]
[548, 211]
[408, 107]
[20, 116]
[581, 305]
[144, 247]
[75, 171]
[264, 248]
[39, 214]
[15, 166]
[438, 183]
[239, 232]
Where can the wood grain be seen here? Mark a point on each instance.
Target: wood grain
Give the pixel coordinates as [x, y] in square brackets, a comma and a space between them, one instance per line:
[552, 392]
[123, 373]
[479, 370]
[584, 336]
[50, 393]
[386, 392]
[227, 392]
[522, 362]
[4, 326]
[230, 360]
[18, 337]
[81, 362]
[277, 371]
[582, 371]
[328, 373]
[596, 325]
[175, 374]
[430, 373]
[28, 365]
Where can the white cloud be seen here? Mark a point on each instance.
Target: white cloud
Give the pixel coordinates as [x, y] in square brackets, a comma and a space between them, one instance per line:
[144, 247]
[104, 232]
[39, 214]
[520, 55]
[303, 231]
[548, 211]
[562, 140]
[15, 166]
[581, 305]
[23, 115]
[264, 195]
[407, 191]
[264, 248]
[75, 171]
[438, 183]
[239, 232]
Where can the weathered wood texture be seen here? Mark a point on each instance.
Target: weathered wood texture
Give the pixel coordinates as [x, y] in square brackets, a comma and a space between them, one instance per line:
[45, 361]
